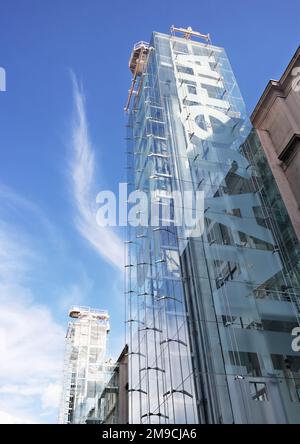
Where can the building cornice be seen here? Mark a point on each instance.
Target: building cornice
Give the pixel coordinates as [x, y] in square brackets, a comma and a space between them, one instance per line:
[273, 90]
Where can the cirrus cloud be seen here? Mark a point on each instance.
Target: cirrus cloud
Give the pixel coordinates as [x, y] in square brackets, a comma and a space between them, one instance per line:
[83, 186]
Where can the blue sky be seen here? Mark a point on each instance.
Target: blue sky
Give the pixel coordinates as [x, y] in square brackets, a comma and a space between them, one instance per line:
[62, 141]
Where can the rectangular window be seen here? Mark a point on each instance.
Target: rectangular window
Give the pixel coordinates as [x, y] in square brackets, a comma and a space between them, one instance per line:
[91, 389]
[180, 48]
[290, 150]
[249, 361]
[192, 89]
[289, 368]
[185, 69]
[258, 391]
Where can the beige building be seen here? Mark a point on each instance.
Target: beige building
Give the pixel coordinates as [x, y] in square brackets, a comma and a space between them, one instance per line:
[276, 118]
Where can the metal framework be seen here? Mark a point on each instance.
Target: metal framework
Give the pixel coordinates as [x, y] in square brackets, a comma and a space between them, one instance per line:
[188, 33]
[208, 318]
[137, 64]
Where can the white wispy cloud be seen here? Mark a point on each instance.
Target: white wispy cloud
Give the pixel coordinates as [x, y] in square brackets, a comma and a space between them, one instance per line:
[15, 206]
[31, 341]
[83, 186]
[75, 292]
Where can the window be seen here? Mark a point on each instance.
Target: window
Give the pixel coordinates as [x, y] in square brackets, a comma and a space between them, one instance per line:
[192, 89]
[258, 391]
[289, 368]
[185, 69]
[84, 330]
[91, 389]
[180, 48]
[249, 361]
[93, 355]
[290, 150]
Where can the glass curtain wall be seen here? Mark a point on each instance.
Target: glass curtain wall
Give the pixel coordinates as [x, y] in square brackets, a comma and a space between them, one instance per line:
[209, 316]
[84, 369]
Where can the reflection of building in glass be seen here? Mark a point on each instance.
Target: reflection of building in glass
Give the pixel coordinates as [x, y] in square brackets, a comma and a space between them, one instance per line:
[112, 403]
[84, 372]
[93, 413]
[209, 314]
[114, 398]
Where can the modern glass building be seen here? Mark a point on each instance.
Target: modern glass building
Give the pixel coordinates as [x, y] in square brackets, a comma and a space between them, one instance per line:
[209, 313]
[85, 370]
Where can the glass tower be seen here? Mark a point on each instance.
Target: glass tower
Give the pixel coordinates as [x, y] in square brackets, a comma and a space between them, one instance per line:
[85, 371]
[209, 314]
